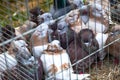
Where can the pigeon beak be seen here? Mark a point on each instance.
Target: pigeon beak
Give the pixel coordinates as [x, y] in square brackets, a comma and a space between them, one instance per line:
[87, 44]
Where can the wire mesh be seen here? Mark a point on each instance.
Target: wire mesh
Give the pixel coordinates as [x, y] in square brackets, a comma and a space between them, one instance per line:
[84, 53]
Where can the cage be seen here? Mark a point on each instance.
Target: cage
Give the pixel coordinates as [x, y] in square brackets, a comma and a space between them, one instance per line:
[59, 39]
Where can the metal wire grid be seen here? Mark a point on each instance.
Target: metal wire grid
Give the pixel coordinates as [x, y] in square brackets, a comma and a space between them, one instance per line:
[115, 11]
[15, 12]
[26, 33]
[11, 12]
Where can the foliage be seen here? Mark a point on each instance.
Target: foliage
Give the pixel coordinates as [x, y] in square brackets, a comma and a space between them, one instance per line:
[15, 13]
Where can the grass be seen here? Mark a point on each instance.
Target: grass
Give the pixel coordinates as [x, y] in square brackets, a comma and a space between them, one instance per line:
[106, 71]
[15, 12]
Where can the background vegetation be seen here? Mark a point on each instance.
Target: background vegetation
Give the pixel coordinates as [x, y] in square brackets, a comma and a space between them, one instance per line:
[15, 12]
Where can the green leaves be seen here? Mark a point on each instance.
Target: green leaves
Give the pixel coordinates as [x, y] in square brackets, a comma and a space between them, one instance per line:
[14, 12]
[84, 1]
